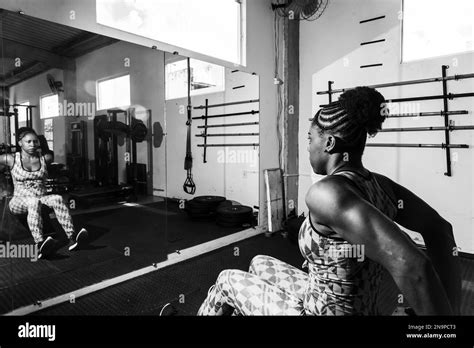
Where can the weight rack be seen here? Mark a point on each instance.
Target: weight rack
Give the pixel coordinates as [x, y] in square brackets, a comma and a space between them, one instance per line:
[445, 113]
[206, 116]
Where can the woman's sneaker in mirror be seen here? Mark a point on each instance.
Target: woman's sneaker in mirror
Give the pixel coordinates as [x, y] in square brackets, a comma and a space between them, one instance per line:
[79, 240]
[46, 247]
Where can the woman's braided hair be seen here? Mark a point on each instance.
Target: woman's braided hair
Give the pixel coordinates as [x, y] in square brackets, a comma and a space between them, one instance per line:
[358, 112]
[23, 131]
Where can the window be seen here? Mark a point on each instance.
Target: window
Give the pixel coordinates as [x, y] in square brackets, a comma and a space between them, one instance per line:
[433, 28]
[210, 27]
[22, 110]
[21, 118]
[49, 106]
[205, 78]
[113, 93]
[48, 132]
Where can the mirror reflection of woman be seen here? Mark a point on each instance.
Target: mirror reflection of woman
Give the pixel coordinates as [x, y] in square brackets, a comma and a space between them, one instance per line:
[350, 207]
[28, 169]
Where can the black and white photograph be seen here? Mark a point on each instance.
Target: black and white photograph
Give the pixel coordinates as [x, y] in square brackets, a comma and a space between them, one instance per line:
[162, 161]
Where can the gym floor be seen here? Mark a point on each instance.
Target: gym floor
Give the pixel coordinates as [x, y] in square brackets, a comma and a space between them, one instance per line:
[185, 285]
[123, 238]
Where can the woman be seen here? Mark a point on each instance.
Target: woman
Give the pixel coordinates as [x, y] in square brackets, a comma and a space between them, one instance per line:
[351, 210]
[28, 169]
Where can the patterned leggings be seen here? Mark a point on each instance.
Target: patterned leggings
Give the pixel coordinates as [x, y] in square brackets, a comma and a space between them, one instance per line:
[32, 206]
[271, 287]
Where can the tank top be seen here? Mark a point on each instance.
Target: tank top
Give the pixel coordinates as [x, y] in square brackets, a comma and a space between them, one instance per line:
[342, 281]
[28, 183]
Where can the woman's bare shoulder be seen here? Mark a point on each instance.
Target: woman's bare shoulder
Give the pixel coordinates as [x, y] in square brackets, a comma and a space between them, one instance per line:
[7, 159]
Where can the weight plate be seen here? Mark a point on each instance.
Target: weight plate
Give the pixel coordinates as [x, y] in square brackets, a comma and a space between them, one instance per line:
[209, 200]
[234, 210]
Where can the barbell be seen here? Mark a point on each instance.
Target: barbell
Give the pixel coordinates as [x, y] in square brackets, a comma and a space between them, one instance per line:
[138, 132]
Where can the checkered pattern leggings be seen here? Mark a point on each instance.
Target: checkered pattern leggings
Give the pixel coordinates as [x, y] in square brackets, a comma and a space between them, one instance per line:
[32, 206]
[271, 287]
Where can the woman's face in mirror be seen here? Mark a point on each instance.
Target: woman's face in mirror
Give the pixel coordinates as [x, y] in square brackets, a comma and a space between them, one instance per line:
[29, 143]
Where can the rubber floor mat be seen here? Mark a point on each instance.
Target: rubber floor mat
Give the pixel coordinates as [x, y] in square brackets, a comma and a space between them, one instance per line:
[145, 295]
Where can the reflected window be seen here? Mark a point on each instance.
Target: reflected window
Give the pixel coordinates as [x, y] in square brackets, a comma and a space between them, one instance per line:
[21, 117]
[433, 28]
[210, 27]
[22, 113]
[49, 106]
[113, 93]
[48, 132]
[205, 78]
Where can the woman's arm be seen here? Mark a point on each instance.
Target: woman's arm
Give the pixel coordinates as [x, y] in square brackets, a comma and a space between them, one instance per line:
[417, 215]
[6, 160]
[48, 155]
[48, 158]
[333, 202]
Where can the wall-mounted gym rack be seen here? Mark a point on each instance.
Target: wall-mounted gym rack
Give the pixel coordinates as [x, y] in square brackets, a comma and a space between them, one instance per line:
[206, 116]
[445, 113]
[16, 122]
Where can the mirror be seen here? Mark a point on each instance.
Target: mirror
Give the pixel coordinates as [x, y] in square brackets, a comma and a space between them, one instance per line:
[97, 107]
[223, 143]
[113, 117]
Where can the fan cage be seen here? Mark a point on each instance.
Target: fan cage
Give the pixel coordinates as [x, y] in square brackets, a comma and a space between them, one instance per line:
[308, 10]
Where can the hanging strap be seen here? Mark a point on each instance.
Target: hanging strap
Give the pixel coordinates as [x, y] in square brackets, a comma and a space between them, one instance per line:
[189, 186]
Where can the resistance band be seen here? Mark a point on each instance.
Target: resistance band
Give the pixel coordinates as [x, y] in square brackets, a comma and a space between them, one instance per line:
[189, 186]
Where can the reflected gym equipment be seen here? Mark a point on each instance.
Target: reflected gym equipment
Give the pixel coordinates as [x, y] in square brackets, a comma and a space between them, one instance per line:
[77, 160]
[234, 216]
[203, 207]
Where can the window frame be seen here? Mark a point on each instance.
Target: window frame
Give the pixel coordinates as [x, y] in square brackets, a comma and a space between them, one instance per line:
[113, 77]
[41, 105]
[160, 43]
[200, 91]
[402, 42]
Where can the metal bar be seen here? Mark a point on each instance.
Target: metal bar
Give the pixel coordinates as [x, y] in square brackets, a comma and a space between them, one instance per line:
[29, 116]
[404, 83]
[371, 19]
[330, 83]
[229, 145]
[431, 97]
[446, 120]
[253, 112]
[227, 104]
[24, 106]
[420, 129]
[431, 113]
[370, 65]
[17, 124]
[427, 97]
[371, 42]
[227, 135]
[205, 131]
[441, 146]
[229, 125]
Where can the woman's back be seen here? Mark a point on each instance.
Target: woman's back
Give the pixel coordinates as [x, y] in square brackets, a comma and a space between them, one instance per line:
[342, 280]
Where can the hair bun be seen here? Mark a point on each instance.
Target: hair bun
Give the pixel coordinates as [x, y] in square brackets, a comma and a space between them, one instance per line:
[365, 105]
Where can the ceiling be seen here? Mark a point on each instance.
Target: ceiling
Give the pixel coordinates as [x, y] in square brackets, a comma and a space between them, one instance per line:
[31, 46]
